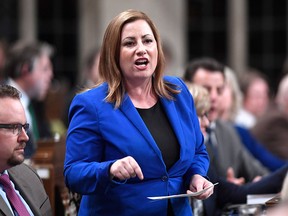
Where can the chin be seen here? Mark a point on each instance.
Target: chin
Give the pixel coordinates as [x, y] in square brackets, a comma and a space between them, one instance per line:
[14, 161]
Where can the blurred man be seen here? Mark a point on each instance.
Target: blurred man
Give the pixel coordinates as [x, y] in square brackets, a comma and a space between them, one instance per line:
[223, 143]
[256, 99]
[29, 69]
[26, 195]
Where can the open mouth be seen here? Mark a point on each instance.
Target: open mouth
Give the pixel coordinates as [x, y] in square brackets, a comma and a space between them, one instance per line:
[141, 62]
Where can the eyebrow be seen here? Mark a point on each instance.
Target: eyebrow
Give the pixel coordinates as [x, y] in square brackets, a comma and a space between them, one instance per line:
[144, 36]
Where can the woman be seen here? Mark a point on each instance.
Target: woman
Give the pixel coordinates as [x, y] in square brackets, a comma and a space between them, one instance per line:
[202, 103]
[137, 134]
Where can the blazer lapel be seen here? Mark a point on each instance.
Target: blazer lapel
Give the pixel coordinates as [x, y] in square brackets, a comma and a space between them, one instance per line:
[129, 110]
[24, 191]
[4, 209]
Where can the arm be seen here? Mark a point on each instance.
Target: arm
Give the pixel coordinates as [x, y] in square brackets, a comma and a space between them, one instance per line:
[258, 151]
[229, 193]
[83, 138]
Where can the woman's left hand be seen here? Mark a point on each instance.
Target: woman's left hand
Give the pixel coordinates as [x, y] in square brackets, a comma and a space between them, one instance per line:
[199, 183]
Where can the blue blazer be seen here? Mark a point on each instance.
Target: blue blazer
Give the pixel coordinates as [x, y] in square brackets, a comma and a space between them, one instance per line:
[99, 134]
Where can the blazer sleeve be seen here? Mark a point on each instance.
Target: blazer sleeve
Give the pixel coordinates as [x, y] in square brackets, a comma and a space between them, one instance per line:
[83, 161]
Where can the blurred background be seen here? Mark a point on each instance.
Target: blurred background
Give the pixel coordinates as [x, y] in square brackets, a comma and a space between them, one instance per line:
[239, 33]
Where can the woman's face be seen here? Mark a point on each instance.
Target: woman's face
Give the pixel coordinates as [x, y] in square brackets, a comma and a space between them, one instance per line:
[203, 121]
[138, 52]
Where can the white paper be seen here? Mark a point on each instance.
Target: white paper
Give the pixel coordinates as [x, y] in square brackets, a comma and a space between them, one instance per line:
[259, 198]
[193, 194]
[44, 173]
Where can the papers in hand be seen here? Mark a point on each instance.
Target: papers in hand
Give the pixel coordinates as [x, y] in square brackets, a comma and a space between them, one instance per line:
[193, 194]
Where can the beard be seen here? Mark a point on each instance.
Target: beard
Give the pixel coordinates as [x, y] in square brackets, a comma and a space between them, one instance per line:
[15, 160]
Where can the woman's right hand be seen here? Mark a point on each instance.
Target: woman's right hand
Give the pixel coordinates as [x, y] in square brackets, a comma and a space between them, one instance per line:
[126, 168]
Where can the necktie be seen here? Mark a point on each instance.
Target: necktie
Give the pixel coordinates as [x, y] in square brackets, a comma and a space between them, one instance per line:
[211, 143]
[13, 198]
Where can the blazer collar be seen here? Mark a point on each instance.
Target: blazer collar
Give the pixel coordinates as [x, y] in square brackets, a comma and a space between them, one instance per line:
[131, 113]
[4, 210]
[129, 110]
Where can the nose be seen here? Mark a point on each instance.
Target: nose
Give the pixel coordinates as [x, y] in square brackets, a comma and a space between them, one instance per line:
[23, 135]
[141, 50]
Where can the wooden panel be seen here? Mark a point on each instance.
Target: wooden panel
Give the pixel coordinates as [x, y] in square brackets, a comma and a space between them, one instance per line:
[49, 161]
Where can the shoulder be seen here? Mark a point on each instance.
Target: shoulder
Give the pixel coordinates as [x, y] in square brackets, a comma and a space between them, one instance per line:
[93, 97]
[97, 92]
[23, 171]
[227, 129]
[31, 187]
[177, 83]
[174, 80]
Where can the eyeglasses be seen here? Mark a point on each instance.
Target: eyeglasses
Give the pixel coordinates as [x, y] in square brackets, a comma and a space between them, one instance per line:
[16, 128]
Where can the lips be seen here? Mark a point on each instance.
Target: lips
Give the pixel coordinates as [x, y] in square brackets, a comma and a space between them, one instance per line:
[142, 61]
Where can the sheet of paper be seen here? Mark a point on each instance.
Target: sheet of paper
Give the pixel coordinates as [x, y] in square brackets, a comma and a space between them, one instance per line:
[181, 195]
[259, 198]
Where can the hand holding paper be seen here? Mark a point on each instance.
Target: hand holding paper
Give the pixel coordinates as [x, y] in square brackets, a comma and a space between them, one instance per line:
[193, 194]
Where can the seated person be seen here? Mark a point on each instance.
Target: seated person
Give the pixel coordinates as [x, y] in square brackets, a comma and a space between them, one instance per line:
[226, 192]
[26, 187]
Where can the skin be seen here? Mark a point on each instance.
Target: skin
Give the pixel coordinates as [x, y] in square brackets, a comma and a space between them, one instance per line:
[37, 82]
[12, 145]
[227, 101]
[204, 121]
[138, 45]
[214, 83]
[257, 97]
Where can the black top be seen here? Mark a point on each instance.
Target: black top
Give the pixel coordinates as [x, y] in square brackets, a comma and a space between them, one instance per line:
[162, 132]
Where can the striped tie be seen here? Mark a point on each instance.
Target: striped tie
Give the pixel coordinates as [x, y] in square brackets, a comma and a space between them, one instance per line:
[13, 198]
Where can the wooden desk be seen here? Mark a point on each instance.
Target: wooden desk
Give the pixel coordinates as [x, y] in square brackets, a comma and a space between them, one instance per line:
[49, 161]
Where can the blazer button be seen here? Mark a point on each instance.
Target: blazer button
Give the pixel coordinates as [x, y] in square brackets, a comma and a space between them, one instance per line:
[164, 178]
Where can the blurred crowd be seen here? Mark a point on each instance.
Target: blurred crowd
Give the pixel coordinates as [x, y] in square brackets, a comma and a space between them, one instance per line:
[246, 134]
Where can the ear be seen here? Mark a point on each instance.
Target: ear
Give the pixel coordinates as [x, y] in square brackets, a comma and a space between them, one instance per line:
[25, 69]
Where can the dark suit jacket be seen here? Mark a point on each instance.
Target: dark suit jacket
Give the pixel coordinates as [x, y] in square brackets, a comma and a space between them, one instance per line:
[227, 193]
[231, 152]
[31, 188]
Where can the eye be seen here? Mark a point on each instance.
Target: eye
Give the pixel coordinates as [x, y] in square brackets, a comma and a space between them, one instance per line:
[220, 90]
[148, 41]
[17, 126]
[26, 127]
[129, 43]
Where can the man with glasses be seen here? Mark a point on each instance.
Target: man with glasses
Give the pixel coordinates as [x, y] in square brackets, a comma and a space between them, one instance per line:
[29, 69]
[21, 189]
